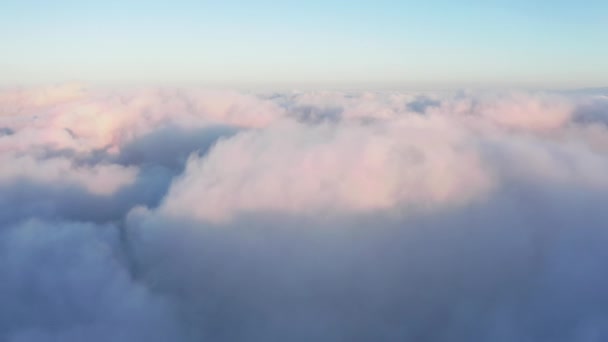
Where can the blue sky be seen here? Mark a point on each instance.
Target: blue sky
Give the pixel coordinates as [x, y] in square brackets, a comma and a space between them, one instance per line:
[319, 43]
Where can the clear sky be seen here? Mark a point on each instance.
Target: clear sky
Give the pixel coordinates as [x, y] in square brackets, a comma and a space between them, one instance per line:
[546, 43]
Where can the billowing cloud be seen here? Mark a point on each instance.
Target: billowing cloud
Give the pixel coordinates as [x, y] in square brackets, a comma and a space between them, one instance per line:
[296, 168]
[188, 215]
[66, 282]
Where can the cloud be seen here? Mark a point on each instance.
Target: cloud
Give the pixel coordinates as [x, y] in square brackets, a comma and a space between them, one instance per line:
[64, 282]
[101, 179]
[187, 215]
[299, 168]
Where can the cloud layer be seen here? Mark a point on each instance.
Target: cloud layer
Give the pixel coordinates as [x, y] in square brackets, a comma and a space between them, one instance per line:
[188, 214]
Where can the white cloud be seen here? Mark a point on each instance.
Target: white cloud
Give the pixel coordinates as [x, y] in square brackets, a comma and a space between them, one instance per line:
[187, 215]
[296, 168]
[99, 179]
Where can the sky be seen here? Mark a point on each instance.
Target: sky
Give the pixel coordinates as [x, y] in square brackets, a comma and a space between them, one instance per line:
[464, 202]
[381, 43]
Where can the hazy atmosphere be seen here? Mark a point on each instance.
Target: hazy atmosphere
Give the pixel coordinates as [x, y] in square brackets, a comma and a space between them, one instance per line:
[317, 171]
[316, 43]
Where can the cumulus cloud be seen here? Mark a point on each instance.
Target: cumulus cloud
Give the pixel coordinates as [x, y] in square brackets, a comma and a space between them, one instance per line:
[299, 168]
[187, 214]
[65, 282]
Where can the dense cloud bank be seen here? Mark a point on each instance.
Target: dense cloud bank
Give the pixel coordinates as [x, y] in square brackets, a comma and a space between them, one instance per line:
[192, 215]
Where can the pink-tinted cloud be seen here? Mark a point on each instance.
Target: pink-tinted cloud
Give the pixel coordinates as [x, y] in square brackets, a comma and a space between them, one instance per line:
[164, 214]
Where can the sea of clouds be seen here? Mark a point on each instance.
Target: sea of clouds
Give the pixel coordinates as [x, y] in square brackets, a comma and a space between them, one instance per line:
[182, 214]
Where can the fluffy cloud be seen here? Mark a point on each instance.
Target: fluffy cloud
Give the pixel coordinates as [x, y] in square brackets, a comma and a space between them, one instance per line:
[66, 282]
[187, 215]
[296, 168]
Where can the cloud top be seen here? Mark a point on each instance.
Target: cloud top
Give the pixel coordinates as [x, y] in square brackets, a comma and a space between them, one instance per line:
[182, 214]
